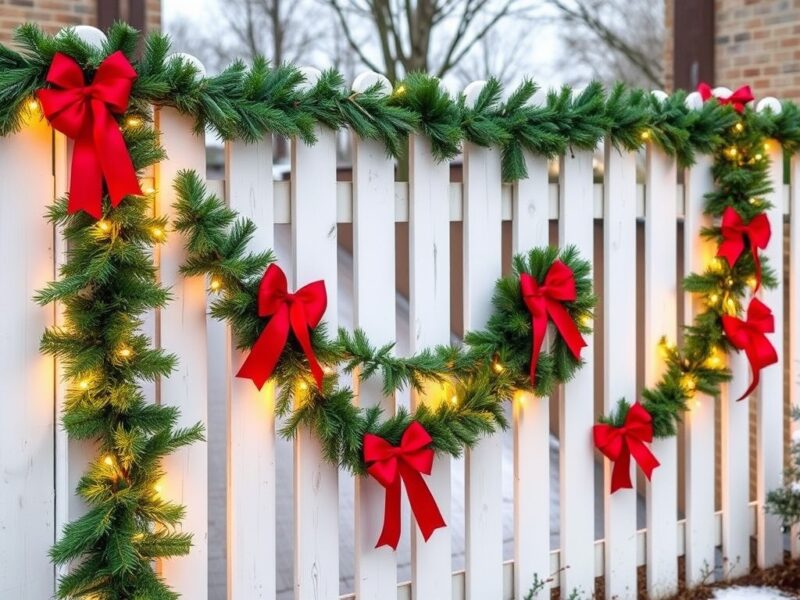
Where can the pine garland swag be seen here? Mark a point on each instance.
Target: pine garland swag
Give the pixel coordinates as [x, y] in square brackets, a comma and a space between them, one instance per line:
[475, 380]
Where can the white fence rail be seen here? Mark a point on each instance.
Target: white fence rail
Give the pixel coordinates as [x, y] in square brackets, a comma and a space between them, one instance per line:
[601, 218]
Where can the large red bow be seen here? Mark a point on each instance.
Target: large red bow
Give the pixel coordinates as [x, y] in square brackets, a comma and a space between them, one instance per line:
[619, 443]
[85, 113]
[737, 99]
[389, 465]
[301, 311]
[750, 336]
[545, 302]
[733, 232]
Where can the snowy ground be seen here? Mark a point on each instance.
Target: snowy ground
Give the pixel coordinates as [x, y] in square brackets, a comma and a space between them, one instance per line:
[750, 593]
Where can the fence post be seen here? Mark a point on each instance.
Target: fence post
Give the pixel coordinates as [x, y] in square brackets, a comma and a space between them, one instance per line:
[769, 437]
[530, 229]
[482, 267]
[699, 419]
[314, 252]
[576, 404]
[619, 342]
[429, 325]
[251, 413]
[182, 326]
[28, 383]
[660, 319]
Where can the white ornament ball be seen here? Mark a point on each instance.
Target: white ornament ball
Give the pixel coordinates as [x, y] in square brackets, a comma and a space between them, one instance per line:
[191, 60]
[661, 95]
[721, 92]
[472, 91]
[694, 101]
[771, 103]
[369, 79]
[88, 34]
[311, 76]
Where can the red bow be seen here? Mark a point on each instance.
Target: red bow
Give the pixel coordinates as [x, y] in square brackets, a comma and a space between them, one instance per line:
[619, 443]
[302, 311]
[389, 465]
[750, 336]
[545, 303]
[737, 99]
[85, 113]
[733, 231]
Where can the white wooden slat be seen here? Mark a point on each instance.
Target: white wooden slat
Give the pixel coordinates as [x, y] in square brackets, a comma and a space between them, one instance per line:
[794, 315]
[699, 420]
[482, 267]
[251, 415]
[660, 319]
[734, 469]
[769, 436]
[619, 304]
[182, 326]
[314, 256]
[28, 377]
[530, 229]
[374, 312]
[576, 406]
[429, 317]
[147, 182]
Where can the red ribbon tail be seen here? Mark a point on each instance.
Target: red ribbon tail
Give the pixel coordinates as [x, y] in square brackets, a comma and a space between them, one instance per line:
[644, 457]
[757, 262]
[265, 353]
[114, 157]
[390, 534]
[756, 378]
[86, 179]
[621, 473]
[566, 327]
[300, 328]
[423, 505]
[539, 326]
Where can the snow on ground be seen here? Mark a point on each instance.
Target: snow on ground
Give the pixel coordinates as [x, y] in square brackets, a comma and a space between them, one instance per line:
[750, 593]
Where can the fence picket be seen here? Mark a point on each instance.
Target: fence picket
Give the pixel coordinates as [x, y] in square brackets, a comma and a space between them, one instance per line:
[619, 337]
[576, 406]
[660, 319]
[699, 419]
[530, 229]
[374, 312]
[794, 315]
[429, 325]
[251, 413]
[316, 482]
[183, 331]
[28, 382]
[735, 478]
[769, 437]
[482, 267]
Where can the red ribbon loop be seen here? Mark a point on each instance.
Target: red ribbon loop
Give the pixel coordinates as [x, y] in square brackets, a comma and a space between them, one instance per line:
[300, 311]
[545, 303]
[85, 113]
[738, 98]
[391, 465]
[734, 232]
[750, 336]
[619, 443]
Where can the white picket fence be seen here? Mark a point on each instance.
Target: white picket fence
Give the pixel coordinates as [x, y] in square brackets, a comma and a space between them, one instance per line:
[40, 467]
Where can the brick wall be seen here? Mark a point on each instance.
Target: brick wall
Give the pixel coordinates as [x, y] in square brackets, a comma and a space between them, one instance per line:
[52, 15]
[756, 43]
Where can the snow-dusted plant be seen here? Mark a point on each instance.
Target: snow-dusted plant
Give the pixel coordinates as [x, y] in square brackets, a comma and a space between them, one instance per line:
[785, 501]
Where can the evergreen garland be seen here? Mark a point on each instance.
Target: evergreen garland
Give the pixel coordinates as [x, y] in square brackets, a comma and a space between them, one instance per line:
[740, 171]
[474, 381]
[105, 287]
